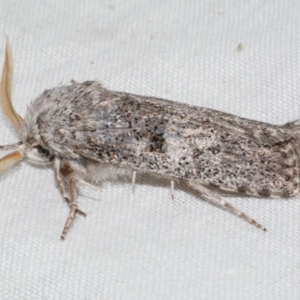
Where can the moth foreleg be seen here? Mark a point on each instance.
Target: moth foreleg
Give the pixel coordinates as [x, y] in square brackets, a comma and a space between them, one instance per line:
[216, 199]
[61, 185]
[73, 208]
[96, 188]
[64, 172]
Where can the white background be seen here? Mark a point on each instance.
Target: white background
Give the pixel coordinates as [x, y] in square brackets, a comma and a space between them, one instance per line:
[143, 244]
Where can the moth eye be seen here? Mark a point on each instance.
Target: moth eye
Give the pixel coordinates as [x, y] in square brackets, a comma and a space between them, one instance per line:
[44, 152]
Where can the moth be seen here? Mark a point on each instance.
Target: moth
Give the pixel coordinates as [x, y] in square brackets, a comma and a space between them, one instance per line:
[89, 133]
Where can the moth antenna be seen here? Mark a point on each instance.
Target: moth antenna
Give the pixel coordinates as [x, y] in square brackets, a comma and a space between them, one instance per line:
[6, 88]
[9, 160]
[7, 147]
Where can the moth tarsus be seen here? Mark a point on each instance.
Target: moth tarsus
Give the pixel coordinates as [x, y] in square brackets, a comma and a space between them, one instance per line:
[91, 134]
[172, 189]
[133, 179]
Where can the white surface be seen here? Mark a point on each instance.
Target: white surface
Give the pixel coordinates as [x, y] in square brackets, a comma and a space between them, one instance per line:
[143, 245]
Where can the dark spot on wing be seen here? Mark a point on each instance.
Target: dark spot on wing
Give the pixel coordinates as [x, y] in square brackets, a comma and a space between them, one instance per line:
[157, 143]
[242, 189]
[265, 192]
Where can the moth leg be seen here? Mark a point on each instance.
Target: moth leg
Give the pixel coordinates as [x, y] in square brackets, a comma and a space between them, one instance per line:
[64, 171]
[172, 189]
[216, 199]
[133, 179]
[73, 208]
[61, 185]
[96, 188]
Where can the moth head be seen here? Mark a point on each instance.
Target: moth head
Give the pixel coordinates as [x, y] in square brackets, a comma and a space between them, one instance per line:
[36, 154]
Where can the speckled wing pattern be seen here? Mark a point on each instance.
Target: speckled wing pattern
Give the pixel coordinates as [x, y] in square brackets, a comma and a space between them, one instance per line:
[171, 139]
